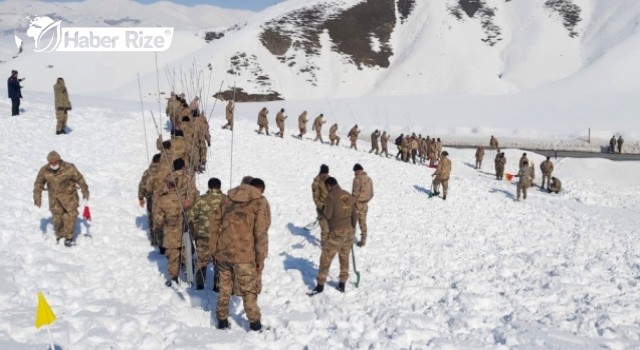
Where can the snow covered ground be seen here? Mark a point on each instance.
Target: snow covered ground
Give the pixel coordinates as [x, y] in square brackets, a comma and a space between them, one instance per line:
[477, 271]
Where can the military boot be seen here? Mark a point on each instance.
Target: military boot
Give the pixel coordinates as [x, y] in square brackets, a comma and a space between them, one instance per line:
[340, 287]
[223, 324]
[255, 326]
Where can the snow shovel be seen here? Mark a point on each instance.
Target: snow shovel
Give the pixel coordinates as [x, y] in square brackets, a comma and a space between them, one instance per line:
[355, 270]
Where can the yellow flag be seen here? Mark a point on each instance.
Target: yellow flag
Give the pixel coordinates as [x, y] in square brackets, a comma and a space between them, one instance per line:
[44, 314]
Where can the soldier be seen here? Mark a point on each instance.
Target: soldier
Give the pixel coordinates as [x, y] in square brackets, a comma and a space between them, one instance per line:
[15, 93]
[263, 122]
[374, 142]
[340, 213]
[200, 215]
[479, 156]
[61, 180]
[353, 136]
[202, 142]
[173, 107]
[500, 161]
[362, 191]
[169, 219]
[317, 126]
[302, 123]
[229, 115]
[333, 135]
[524, 161]
[438, 148]
[546, 167]
[62, 104]
[280, 117]
[493, 143]
[442, 174]
[241, 249]
[319, 193]
[398, 142]
[612, 144]
[414, 147]
[556, 185]
[526, 176]
[384, 142]
[143, 193]
[431, 152]
[620, 142]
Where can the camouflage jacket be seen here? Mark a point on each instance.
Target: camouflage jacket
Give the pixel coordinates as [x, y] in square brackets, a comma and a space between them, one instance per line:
[546, 167]
[142, 186]
[229, 110]
[186, 187]
[319, 191]
[262, 118]
[61, 96]
[201, 213]
[362, 189]
[339, 209]
[317, 124]
[302, 120]
[62, 186]
[280, 119]
[443, 171]
[244, 219]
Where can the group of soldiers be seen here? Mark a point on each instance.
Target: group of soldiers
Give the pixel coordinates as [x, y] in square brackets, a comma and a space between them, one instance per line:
[526, 172]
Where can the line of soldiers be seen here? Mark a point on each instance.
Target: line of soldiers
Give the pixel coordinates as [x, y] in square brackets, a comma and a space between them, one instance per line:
[338, 212]
[412, 146]
[190, 136]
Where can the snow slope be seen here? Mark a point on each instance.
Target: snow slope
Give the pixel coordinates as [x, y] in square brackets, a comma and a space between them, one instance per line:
[477, 271]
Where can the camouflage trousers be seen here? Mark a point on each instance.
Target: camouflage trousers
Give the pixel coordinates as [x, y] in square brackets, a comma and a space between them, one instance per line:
[339, 242]
[319, 137]
[362, 208]
[436, 185]
[173, 261]
[385, 151]
[61, 120]
[499, 172]
[263, 127]
[281, 131]
[374, 147]
[229, 124]
[64, 223]
[324, 227]
[478, 163]
[354, 144]
[244, 277]
[545, 177]
[203, 253]
[522, 189]
[335, 140]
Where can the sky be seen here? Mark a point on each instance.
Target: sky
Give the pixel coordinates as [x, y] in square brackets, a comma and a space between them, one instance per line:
[253, 5]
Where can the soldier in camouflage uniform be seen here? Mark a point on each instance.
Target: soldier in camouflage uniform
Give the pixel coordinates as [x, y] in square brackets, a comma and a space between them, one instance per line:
[479, 157]
[353, 137]
[229, 110]
[384, 141]
[374, 142]
[340, 212]
[441, 175]
[362, 192]
[61, 180]
[546, 167]
[241, 249]
[333, 136]
[263, 122]
[317, 126]
[526, 177]
[280, 117]
[556, 185]
[200, 216]
[169, 217]
[144, 194]
[62, 104]
[185, 184]
[302, 123]
[500, 161]
[319, 192]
